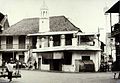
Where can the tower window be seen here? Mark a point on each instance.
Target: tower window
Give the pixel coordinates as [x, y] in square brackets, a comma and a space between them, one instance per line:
[43, 13]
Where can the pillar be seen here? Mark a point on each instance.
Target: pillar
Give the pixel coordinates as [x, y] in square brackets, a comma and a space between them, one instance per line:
[51, 41]
[0, 59]
[74, 40]
[26, 56]
[43, 42]
[79, 39]
[62, 40]
[38, 43]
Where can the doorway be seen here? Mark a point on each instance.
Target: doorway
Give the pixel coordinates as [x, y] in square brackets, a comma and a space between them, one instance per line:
[39, 63]
[56, 64]
[7, 55]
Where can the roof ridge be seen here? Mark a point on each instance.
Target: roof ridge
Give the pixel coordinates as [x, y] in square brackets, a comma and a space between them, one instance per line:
[38, 17]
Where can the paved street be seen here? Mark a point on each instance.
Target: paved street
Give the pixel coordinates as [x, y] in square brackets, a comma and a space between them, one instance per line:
[55, 77]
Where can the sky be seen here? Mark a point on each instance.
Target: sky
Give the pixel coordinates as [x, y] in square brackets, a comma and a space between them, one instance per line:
[88, 15]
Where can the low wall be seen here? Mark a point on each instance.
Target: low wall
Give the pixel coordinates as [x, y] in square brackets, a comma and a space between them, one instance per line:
[68, 68]
[45, 67]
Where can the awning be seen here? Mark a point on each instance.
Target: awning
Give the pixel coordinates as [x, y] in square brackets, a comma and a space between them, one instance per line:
[58, 55]
[52, 33]
[47, 55]
[52, 55]
[67, 48]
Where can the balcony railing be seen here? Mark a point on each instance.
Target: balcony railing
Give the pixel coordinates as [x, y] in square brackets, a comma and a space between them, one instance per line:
[21, 46]
[12, 46]
[9, 46]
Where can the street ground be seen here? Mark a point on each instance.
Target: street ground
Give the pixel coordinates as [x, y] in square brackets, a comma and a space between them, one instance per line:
[29, 76]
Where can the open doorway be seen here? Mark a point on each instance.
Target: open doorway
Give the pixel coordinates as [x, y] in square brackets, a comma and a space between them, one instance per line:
[39, 63]
[7, 55]
[56, 64]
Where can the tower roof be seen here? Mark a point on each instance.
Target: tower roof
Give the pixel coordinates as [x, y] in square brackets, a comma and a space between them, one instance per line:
[44, 6]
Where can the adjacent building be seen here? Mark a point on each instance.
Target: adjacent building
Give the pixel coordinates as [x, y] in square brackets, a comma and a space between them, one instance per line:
[115, 32]
[110, 48]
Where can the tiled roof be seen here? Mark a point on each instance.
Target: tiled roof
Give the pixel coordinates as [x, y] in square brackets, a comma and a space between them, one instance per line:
[31, 25]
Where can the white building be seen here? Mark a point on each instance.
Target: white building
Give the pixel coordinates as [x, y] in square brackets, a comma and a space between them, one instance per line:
[54, 43]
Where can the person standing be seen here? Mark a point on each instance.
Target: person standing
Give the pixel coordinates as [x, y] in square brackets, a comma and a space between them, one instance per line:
[9, 70]
[35, 65]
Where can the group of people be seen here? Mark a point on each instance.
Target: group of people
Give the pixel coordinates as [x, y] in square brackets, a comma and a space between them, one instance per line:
[105, 67]
[8, 67]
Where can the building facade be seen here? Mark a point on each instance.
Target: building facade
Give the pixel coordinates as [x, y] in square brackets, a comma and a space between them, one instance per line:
[54, 43]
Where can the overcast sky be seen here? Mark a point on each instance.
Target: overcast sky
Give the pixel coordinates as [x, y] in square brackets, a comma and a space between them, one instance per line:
[88, 15]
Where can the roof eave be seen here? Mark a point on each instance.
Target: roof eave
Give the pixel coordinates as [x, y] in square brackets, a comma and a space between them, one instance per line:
[53, 33]
[115, 8]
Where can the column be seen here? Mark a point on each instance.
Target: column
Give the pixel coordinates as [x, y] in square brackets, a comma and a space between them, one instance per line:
[51, 41]
[79, 39]
[43, 42]
[26, 54]
[38, 42]
[0, 59]
[62, 40]
[74, 40]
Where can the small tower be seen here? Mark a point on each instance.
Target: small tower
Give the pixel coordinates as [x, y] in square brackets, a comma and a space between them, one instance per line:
[44, 19]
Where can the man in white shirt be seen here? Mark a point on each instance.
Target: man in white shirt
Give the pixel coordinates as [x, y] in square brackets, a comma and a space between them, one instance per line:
[10, 70]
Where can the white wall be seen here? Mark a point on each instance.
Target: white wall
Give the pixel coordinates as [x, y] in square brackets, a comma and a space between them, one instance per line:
[68, 68]
[43, 66]
[96, 59]
[95, 56]
[26, 56]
